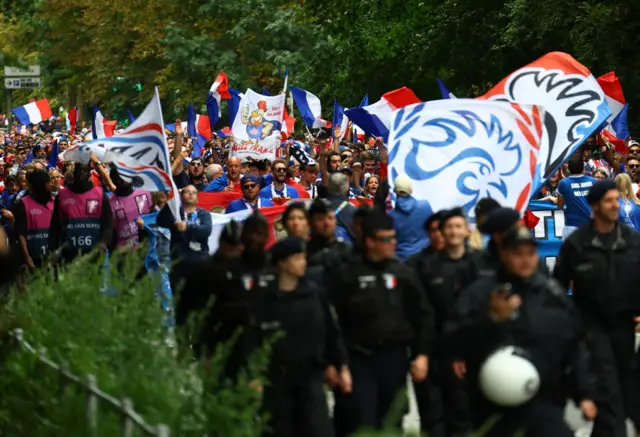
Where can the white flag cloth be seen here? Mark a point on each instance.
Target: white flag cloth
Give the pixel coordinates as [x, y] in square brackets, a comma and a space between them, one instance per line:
[461, 150]
[574, 103]
[256, 128]
[140, 153]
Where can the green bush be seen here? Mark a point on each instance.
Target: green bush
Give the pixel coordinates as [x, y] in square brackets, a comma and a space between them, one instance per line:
[122, 340]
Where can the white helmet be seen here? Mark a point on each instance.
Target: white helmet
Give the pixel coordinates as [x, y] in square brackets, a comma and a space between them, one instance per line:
[507, 378]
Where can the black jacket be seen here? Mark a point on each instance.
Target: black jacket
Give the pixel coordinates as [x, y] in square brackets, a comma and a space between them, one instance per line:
[308, 335]
[443, 279]
[546, 326]
[381, 305]
[604, 273]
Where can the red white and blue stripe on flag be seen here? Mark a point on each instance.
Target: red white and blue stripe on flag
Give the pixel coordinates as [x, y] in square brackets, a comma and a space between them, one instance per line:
[101, 127]
[310, 108]
[33, 112]
[375, 119]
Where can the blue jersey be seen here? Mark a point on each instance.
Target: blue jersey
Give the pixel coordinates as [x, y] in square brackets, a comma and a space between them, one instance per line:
[630, 213]
[574, 190]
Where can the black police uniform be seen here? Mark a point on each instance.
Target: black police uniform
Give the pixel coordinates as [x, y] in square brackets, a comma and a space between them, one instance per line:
[385, 320]
[547, 328]
[311, 341]
[325, 257]
[442, 400]
[217, 299]
[602, 272]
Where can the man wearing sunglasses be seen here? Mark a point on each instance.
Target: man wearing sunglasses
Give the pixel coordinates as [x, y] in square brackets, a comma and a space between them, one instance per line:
[633, 163]
[278, 190]
[194, 175]
[250, 196]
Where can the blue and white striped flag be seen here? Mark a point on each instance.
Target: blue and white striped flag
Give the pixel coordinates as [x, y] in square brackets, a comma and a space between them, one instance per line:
[140, 153]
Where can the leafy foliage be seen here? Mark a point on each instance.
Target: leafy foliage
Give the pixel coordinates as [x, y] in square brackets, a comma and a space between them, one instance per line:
[331, 47]
[122, 340]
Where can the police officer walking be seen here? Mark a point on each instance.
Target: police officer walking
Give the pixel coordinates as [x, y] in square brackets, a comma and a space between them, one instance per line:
[599, 261]
[442, 399]
[288, 304]
[522, 307]
[325, 252]
[387, 325]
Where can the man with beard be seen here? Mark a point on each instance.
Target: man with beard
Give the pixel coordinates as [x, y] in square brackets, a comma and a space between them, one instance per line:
[599, 260]
[278, 190]
[33, 219]
[250, 196]
[194, 175]
[82, 217]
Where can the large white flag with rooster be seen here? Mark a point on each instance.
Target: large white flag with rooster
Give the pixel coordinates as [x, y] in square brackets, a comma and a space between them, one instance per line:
[461, 150]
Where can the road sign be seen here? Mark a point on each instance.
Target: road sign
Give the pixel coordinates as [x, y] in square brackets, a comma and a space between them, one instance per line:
[31, 71]
[13, 83]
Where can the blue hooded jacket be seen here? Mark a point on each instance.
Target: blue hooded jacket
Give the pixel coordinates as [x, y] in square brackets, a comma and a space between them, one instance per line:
[409, 216]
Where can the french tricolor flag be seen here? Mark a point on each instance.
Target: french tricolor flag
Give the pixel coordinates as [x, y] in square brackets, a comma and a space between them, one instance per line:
[101, 127]
[375, 119]
[33, 112]
[219, 90]
[358, 133]
[310, 108]
[198, 127]
[616, 129]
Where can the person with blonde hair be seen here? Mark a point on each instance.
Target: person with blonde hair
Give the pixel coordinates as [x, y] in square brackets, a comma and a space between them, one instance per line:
[629, 212]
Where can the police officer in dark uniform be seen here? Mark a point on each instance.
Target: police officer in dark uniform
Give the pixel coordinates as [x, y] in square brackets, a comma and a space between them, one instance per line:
[432, 227]
[211, 278]
[442, 400]
[361, 213]
[496, 224]
[600, 262]
[255, 234]
[387, 324]
[309, 340]
[520, 306]
[325, 252]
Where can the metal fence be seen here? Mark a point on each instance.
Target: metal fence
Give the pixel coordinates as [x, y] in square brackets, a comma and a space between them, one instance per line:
[130, 420]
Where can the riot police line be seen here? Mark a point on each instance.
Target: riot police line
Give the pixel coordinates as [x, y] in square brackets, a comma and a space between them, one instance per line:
[488, 336]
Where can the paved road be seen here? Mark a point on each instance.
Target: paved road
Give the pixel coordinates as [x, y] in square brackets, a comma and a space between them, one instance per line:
[573, 417]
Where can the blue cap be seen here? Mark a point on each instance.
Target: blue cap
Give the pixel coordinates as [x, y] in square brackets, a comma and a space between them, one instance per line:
[249, 178]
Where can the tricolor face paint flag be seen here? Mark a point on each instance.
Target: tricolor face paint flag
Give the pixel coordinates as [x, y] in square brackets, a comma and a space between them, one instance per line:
[574, 104]
[140, 154]
[101, 127]
[256, 128]
[375, 119]
[33, 112]
[458, 151]
[310, 108]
